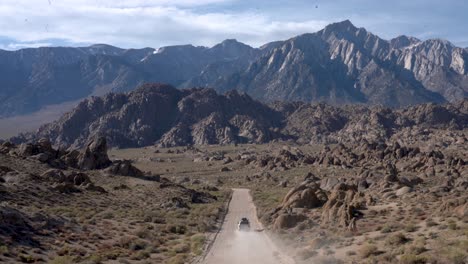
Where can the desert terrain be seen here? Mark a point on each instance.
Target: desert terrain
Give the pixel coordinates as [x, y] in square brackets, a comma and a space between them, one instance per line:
[406, 210]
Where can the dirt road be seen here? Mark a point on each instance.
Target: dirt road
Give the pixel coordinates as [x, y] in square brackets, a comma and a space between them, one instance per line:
[234, 247]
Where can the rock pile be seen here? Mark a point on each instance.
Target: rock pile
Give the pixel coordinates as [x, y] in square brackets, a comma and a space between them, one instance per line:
[337, 203]
[124, 168]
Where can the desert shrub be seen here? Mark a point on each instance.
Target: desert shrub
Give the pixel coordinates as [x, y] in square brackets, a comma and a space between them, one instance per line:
[386, 229]
[412, 259]
[456, 254]
[181, 248]
[305, 253]
[178, 259]
[387, 257]
[396, 240]
[328, 260]
[4, 250]
[26, 258]
[368, 250]
[62, 260]
[95, 259]
[143, 232]
[124, 242]
[197, 242]
[204, 226]
[430, 223]
[415, 250]
[452, 226]
[317, 243]
[176, 229]
[108, 215]
[140, 255]
[411, 228]
[138, 244]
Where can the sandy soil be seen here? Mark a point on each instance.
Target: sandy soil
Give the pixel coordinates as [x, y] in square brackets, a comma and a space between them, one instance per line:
[232, 246]
[12, 126]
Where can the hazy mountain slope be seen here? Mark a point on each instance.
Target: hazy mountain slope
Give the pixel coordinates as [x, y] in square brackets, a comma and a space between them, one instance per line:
[34, 78]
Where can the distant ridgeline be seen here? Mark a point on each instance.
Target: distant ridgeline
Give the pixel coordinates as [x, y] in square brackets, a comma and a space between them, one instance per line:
[339, 64]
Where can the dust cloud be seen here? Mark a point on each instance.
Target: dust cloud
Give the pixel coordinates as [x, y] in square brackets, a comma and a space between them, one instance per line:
[249, 247]
[237, 247]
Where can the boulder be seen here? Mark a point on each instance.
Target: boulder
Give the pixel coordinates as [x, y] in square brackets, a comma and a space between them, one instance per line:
[65, 188]
[94, 188]
[45, 143]
[304, 199]
[461, 184]
[94, 156]
[78, 178]
[54, 175]
[403, 190]
[392, 173]
[285, 221]
[25, 150]
[42, 157]
[6, 147]
[343, 205]
[124, 168]
[328, 184]
[4, 170]
[310, 177]
[13, 221]
[362, 185]
[455, 206]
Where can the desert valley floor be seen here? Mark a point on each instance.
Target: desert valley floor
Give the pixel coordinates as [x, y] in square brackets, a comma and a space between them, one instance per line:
[316, 204]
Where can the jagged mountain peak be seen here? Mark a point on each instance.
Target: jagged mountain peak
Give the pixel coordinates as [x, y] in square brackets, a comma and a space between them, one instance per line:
[342, 25]
[231, 48]
[103, 49]
[179, 48]
[403, 41]
[272, 45]
[229, 42]
[339, 29]
[102, 46]
[438, 42]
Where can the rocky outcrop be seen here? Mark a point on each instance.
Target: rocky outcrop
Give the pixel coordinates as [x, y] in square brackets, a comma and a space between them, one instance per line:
[342, 205]
[456, 207]
[182, 196]
[163, 115]
[94, 156]
[306, 195]
[124, 168]
[285, 221]
[339, 206]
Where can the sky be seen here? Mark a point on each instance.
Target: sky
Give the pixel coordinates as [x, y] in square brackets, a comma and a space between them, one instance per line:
[157, 23]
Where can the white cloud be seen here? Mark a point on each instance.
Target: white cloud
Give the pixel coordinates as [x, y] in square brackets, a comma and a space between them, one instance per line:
[140, 23]
[15, 46]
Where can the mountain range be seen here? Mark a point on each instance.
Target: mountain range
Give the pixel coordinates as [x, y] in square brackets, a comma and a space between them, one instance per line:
[339, 64]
